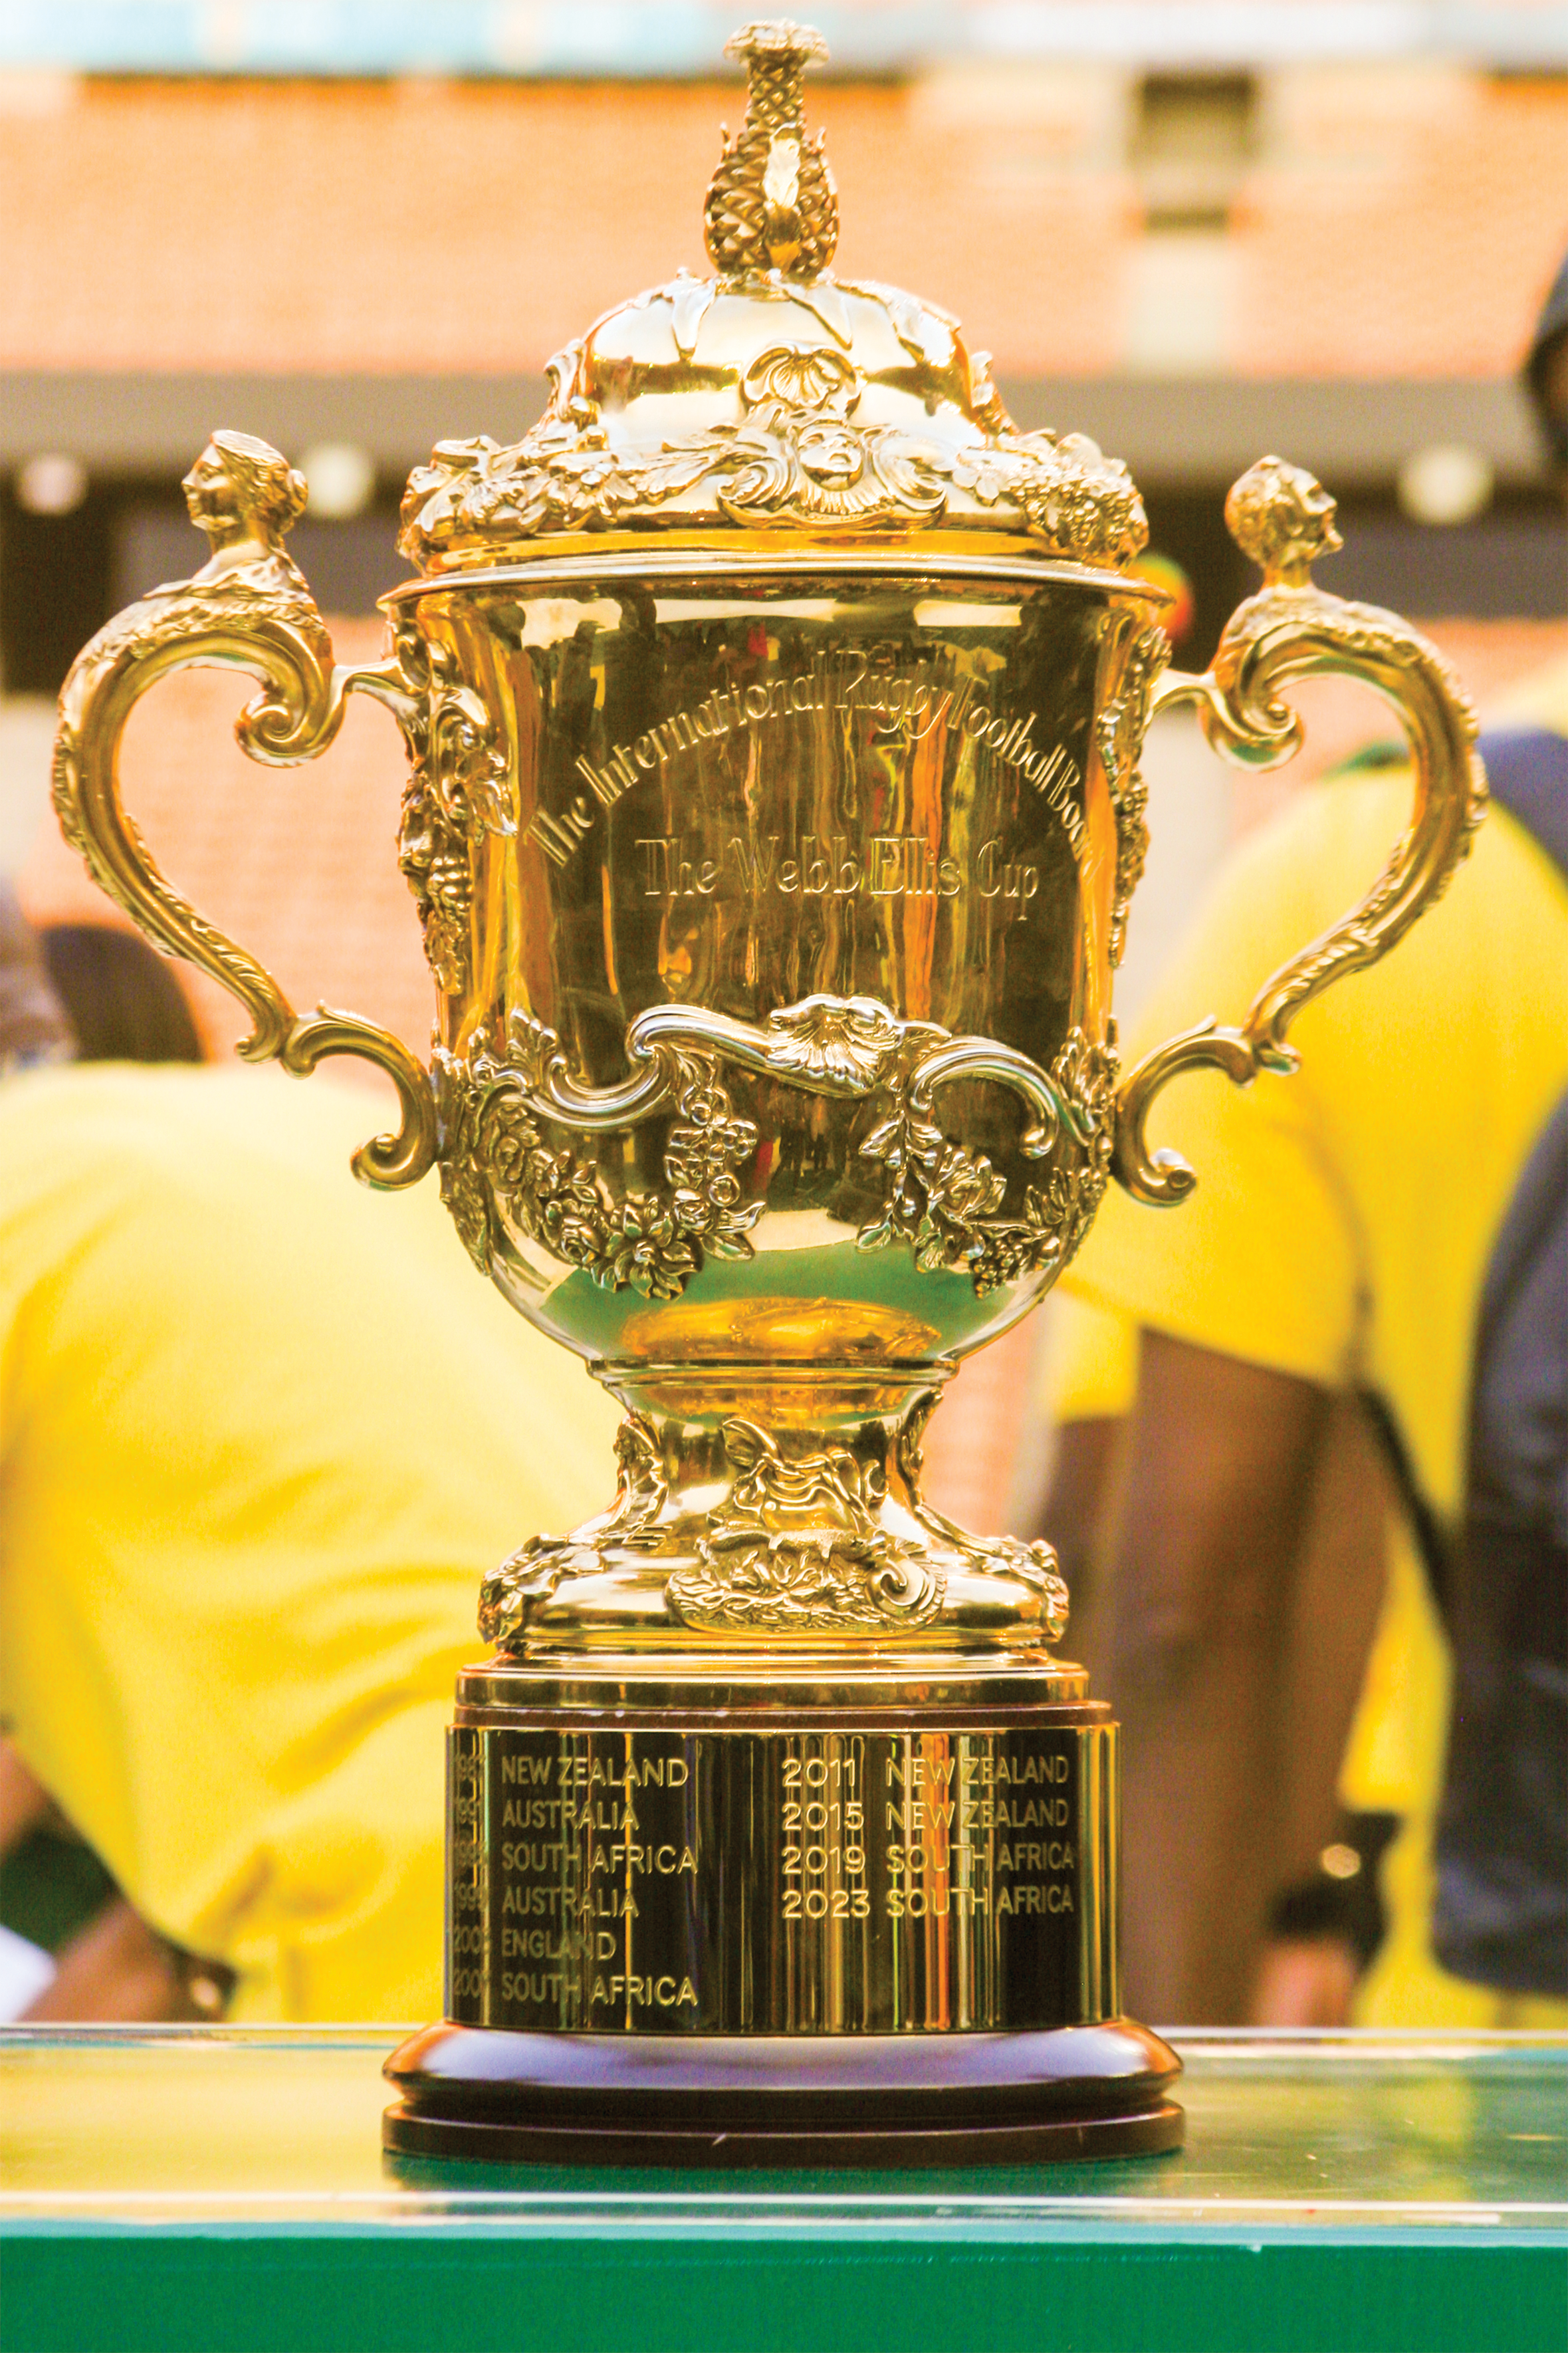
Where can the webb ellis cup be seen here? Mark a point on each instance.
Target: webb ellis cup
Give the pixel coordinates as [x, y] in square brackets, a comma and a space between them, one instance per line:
[773, 711]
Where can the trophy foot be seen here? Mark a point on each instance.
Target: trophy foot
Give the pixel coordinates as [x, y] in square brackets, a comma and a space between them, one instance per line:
[777, 1835]
[730, 2101]
[780, 1503]
[761, 1909]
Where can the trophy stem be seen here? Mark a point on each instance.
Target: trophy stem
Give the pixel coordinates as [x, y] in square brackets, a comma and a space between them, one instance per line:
[777, 1504]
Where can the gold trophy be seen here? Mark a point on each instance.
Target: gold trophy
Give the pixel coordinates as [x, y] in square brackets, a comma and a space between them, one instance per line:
[773, 712]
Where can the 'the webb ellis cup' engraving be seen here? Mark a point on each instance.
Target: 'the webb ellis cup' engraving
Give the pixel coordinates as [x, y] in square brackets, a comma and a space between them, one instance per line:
[907, 707]
[888, 865]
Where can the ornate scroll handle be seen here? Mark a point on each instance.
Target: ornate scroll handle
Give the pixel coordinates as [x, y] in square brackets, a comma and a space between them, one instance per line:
[248, 608]
[1290, 629]
[982, 1058]
[847, 1045]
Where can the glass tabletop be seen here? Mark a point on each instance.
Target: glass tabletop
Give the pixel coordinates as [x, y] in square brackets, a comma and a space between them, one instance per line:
[280, 2127]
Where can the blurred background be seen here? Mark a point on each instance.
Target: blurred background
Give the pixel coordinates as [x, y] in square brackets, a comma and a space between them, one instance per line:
[1193, 230]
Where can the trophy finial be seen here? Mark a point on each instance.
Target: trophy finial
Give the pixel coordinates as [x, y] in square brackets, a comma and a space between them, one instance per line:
[773, 204]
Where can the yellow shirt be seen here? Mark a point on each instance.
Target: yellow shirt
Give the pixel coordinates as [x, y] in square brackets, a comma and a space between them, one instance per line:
[261, 1434]
[1345, 1216]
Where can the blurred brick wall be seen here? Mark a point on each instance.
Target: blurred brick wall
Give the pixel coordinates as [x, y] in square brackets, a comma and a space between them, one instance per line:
[1409, 223]
[1399, 221]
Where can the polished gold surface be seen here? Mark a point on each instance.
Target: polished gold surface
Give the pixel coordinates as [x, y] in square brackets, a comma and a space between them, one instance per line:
[828, 865]
[773, 713]
[885, 1881]
[772, 914]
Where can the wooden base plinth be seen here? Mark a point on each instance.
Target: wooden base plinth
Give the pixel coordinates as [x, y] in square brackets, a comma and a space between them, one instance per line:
[907, 2100]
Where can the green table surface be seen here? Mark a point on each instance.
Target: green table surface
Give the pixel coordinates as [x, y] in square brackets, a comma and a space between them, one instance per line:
[217, 2187]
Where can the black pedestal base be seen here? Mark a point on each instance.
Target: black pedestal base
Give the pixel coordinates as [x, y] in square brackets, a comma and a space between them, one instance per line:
[958, 2099]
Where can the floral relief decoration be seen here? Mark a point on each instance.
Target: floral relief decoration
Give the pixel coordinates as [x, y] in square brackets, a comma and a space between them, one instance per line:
[495, 1156]
[527, 1582]
[797, 455]
[454, 791]
[1120, 729]
[948, 1202]
[797, 1543]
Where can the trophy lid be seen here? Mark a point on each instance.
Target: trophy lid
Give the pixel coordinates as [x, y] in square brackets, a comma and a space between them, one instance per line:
[773, 406]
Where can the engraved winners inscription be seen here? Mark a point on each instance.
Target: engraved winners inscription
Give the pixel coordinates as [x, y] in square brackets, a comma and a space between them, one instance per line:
[780, 1882]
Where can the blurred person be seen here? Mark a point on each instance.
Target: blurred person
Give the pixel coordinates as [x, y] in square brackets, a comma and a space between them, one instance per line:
[122, 1000]
[1298, 1929]
[83, 1949]
[72, 1946]
[1379, 1242]
[261, 1434]
[33, 1024]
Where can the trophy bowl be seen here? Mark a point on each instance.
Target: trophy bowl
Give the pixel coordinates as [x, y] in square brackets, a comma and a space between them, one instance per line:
[773, 712]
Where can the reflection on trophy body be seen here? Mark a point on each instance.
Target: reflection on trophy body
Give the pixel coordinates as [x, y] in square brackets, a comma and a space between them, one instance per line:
[773, 712]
